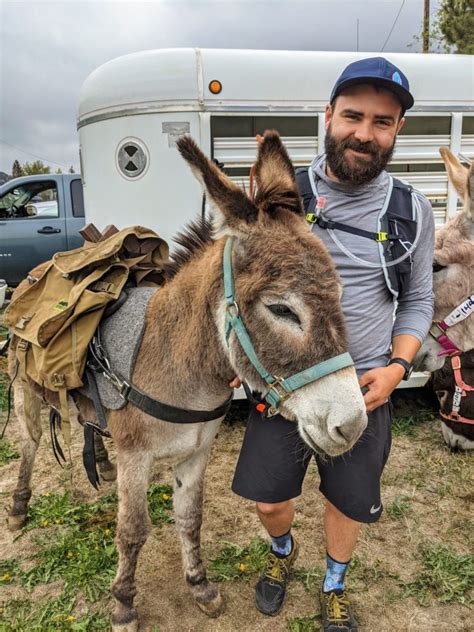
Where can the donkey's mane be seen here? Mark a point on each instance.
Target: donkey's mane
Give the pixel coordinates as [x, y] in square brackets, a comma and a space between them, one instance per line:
[193, 239]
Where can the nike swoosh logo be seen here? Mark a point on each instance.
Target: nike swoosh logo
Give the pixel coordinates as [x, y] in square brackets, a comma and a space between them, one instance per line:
[374, 510]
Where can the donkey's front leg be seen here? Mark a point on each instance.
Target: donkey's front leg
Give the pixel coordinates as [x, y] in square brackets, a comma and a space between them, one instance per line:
[133, 526]
[28, 410]
[188, 494]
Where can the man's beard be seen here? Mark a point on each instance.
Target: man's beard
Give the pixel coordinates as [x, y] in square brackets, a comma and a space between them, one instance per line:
[362, 170]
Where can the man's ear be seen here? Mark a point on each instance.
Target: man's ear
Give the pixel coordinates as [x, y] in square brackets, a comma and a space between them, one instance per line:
[328, 112]
[400, 124]
[231, 206]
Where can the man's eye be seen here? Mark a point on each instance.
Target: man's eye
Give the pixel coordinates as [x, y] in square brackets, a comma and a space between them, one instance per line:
[282, 311]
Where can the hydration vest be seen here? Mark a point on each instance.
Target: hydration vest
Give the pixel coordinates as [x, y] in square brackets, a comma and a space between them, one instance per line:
[397, 227]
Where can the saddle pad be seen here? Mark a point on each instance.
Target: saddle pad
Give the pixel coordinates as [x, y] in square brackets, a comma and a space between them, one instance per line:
[121, 335]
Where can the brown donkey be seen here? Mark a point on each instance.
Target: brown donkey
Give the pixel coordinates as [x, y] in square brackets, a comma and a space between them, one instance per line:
[288, 294]
[453, 285]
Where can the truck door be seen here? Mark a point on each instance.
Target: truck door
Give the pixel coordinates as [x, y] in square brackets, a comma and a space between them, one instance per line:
[32, 226]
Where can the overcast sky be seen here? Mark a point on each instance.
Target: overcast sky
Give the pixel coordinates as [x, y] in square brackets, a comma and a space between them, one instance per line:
[47, 49]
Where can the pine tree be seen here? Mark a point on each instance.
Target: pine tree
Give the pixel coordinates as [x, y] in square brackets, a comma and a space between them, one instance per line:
[455, 22]
[35, 168]
[17, 170]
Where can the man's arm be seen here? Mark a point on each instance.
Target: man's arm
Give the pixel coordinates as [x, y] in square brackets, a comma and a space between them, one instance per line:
[413, 316]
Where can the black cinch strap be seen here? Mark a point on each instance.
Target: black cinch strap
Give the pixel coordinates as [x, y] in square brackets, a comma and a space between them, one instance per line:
[153, 407]
[165, 412]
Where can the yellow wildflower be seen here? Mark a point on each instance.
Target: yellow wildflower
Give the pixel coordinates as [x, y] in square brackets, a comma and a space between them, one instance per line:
[45, 523]
[165, 496]
[242, 568]
[107, 531]
[6, 577]
[69, 554]
[71, 618]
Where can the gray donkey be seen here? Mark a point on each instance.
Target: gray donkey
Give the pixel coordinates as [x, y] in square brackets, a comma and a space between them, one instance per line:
[287, 294]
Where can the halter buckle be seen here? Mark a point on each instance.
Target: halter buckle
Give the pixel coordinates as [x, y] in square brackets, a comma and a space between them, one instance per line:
[280, 391]
[233, 309]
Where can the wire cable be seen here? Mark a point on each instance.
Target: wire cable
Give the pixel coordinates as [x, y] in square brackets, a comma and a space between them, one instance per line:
[34, 155]
[393, 25]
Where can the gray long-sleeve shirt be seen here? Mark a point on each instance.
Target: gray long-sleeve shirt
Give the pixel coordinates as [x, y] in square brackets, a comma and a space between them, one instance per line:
[372, 316]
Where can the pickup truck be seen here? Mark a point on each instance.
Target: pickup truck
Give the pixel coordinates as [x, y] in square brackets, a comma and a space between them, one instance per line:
[39, 216]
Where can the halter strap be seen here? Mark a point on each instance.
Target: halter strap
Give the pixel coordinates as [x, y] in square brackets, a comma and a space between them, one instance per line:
[460, 313]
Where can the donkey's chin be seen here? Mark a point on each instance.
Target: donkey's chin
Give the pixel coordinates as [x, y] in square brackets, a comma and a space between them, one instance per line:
[323, 444]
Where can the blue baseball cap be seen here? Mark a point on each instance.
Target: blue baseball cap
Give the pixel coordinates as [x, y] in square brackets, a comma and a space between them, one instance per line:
[378, 71]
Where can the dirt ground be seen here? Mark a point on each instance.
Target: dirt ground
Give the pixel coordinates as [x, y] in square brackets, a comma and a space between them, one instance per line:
[436, 486]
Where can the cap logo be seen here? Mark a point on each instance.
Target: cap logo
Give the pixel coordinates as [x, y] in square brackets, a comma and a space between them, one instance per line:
[396, 77]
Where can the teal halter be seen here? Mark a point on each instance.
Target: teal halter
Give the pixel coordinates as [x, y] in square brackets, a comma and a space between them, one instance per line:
[279, 389]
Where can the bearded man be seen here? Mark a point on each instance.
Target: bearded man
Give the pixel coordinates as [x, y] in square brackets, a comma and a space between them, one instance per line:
[348, 197]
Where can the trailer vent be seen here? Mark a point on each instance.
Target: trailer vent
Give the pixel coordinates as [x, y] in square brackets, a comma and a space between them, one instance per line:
[132, 158]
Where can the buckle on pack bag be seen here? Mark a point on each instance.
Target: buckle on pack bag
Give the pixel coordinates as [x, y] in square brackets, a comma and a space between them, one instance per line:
[381, 236]
[312, 218]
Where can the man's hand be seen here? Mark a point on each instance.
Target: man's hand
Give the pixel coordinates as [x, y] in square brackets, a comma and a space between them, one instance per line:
[236, 383]
[380, 383]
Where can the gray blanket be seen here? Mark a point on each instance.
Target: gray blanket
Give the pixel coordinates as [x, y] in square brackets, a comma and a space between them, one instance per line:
[121, 335]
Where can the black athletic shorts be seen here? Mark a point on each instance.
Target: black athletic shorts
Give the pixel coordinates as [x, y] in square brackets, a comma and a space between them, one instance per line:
[273, 462]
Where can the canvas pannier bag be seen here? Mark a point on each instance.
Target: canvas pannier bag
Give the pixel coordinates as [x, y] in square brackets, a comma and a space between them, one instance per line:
[56, 316]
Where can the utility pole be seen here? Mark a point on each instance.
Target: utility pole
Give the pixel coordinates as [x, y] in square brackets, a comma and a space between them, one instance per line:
[426, 27]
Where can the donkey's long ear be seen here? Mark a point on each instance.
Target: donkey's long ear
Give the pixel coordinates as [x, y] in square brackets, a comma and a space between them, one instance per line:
[275, 177]
[461, 178]
[234, 206]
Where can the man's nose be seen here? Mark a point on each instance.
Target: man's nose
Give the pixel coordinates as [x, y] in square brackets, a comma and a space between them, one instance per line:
[364, 133]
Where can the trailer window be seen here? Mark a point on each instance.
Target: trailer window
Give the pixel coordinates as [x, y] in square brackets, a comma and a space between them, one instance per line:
[468, 124]
[249, 126]
[426, 126]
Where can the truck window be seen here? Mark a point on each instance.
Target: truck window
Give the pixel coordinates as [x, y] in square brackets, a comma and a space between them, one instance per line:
[77, 197]
[30, 200]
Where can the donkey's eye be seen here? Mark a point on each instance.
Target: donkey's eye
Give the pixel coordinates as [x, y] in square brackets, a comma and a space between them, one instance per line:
[437, 266]
[282, 311]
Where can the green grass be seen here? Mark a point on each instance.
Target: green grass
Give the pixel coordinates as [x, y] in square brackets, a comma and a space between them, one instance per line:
[237, 562]
[311, 578]
[50, 615]
[362, 574]
[77, 551]
[446, 576]
[7, 452]
[400, 508]
[408, 425]
[303, 624]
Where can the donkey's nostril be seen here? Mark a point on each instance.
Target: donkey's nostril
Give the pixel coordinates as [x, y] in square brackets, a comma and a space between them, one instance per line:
[346, 432]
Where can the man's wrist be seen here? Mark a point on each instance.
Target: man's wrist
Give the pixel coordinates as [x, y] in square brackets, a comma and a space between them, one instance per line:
[405, 367]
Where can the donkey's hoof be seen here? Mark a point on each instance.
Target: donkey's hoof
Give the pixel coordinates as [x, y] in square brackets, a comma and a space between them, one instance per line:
[130, 626]
[124, 619]
[108, 473]
[17, 522]
[125, 627]
[214, 607]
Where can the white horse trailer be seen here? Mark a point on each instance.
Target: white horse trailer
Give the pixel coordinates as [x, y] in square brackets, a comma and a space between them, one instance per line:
[133, 108]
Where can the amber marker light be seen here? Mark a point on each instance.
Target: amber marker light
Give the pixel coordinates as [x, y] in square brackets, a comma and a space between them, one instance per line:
[215, 86]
